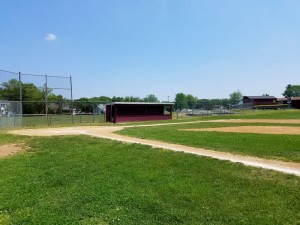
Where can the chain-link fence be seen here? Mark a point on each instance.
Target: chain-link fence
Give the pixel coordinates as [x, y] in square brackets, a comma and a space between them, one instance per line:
[208, 108]
[63, 113]
[10, 114]
[43, 100]
[39, 97]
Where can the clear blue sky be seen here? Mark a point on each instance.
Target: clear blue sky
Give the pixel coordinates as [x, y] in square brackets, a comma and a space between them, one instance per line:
[137, 47]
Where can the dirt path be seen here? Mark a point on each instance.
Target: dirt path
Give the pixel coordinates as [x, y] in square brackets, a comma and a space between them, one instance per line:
[253, 129]
[286, 121]
[107, 132]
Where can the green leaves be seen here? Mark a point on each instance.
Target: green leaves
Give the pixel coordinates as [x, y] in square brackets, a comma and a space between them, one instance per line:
[292, 91]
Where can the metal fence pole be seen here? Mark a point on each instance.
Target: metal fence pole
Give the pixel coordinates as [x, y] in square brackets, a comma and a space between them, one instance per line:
[71, 99]
[93, 115]
[46, 98]
[177, 110]
[21, 103]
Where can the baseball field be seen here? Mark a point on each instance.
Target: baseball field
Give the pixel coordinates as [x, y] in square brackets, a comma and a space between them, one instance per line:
[195, 171]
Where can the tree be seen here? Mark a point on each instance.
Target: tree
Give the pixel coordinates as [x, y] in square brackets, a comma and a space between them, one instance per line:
[56, 103]
[181, 102]
[32, 96]
[191, 101]
[132, 99]
[101, 99]
[203, 104]
[235, 97]
[10, 90]
[33, 99]
[292, 91]
[83, 105]
[151, 98]
[117, 99]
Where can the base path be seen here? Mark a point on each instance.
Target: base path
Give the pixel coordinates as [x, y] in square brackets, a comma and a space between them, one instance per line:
[253, 129]
[107, 132]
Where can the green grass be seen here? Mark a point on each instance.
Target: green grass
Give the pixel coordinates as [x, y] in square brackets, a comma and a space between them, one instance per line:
[260, 114]
[84, 180]
[269, 114]
[62, 120]
[280, 147]
[9, 139]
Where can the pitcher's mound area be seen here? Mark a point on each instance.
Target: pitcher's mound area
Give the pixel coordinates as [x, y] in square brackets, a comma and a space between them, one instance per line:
[253, 129]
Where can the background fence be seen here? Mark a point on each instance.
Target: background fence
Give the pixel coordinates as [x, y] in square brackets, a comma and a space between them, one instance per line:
[198, 109]
[44, 100]
[63, 113]
[10, 114]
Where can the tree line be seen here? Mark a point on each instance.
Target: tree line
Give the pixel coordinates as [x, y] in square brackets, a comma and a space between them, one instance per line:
[34, 99]
[188, 101]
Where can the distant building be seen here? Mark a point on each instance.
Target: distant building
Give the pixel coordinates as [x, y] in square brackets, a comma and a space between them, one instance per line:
[3, 107]
[293, 101]
[99, 109]
[138, 111]
[260, 100]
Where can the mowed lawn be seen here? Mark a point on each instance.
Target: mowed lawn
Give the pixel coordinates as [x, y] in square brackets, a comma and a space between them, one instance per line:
[85, 180]
[270, 146]
[57, 120]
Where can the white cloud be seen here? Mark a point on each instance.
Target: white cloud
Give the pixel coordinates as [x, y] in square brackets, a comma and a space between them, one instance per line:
[50, 37]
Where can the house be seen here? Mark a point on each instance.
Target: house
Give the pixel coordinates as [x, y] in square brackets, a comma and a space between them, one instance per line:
[138, 111]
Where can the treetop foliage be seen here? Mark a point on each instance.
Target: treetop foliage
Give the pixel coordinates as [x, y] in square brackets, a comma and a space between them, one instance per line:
[292, 91]
[34, 99]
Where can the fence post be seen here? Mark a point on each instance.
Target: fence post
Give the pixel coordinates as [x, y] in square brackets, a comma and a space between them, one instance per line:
[21, 103]
[71, 99]
[176, 110]
[93, 115]
[46, 98]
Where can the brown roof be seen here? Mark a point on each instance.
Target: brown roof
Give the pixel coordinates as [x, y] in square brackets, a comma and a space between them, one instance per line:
[259, 97]
[285, 99]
